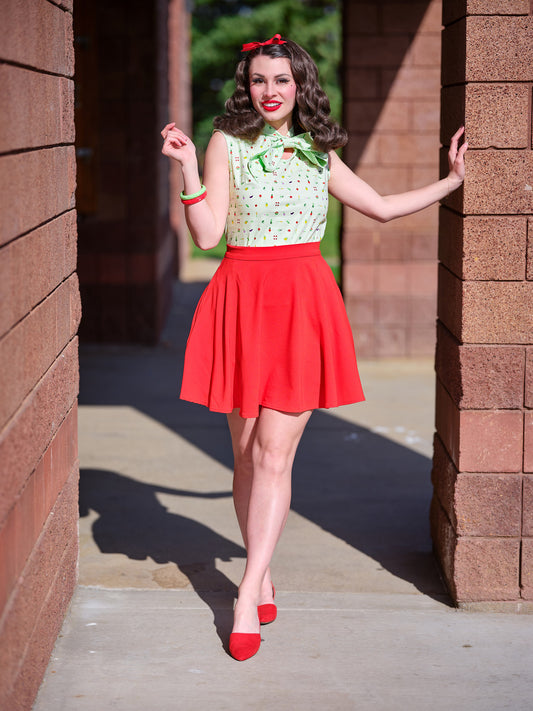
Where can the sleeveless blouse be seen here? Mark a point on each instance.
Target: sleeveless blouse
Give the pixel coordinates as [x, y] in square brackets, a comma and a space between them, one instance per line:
[270, 329]
[276, 201]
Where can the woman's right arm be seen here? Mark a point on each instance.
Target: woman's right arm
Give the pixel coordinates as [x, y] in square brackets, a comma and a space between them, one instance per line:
[206, 219]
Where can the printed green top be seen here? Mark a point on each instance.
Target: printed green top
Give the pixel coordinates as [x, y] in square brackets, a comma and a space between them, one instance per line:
[276, 201]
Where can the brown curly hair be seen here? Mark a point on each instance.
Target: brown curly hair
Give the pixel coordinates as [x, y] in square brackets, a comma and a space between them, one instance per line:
[311, 112]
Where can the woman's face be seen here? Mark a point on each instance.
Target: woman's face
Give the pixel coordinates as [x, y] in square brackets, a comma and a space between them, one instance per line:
[273, 90]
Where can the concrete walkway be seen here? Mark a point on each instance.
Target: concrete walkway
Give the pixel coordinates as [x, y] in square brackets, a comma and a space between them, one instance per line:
[364, 621]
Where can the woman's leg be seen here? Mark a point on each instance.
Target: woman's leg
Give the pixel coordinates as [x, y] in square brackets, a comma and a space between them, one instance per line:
[271, 444]
[242, 432]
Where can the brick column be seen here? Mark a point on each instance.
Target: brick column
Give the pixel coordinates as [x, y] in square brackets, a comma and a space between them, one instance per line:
[39, 317]
[391, 110]
[126, 242]
[180, 111]
[482, 509]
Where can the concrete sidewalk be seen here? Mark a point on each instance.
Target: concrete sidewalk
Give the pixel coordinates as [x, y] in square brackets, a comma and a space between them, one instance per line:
[364, 621]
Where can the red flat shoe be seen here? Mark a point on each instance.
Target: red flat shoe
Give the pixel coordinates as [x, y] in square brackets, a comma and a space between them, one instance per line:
[267, 613]
[243, 645]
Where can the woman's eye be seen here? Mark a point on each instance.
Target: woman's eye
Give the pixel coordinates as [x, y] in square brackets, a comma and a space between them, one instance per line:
[257, 81]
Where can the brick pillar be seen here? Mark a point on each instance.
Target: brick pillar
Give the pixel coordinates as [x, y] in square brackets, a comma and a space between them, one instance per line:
[180, 111]
[482, 509]
[126, 242]
[391, 110]
[39, 317]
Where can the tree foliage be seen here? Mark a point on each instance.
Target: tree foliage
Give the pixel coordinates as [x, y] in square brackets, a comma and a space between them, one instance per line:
[220, 27]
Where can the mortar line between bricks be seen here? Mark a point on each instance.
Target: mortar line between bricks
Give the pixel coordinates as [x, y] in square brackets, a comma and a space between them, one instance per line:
[468, 82]
[75, 464]
[39, 303]
[36, 305]
[530, 112]
[27, 398]
[521, 546]
[499, 281]
[499, 14]
[57, 355]
[480, 14]
[443, 206]
[524, 410]
[36, 227]
[56, 4]
[529, 244]
[30, 67]
[490, 214]
[520, 589]
[32, 149]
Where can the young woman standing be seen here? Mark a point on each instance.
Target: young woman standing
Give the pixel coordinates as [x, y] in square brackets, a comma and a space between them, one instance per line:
[270, 339]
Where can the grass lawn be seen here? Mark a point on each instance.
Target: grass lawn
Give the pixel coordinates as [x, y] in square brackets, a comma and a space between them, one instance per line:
[330, 246]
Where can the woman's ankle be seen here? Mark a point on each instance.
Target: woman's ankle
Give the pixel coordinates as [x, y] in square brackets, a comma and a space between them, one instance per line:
[245, 616]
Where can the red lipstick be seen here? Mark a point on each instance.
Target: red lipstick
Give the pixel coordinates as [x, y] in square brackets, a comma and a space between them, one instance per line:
[271, 105]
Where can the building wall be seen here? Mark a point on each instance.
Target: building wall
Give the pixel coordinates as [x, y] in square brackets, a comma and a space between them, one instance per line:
[482, 511]
[39, 317]
[482, 508]
[180, 111]
[391, 110]
[127, 243]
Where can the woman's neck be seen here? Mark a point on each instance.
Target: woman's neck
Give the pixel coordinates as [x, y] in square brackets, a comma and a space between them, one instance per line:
[282, 127]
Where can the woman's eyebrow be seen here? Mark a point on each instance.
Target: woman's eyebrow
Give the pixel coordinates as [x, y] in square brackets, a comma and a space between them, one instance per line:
[277, 76]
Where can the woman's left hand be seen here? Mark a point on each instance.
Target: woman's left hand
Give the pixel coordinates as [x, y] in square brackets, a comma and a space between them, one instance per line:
[456, 156]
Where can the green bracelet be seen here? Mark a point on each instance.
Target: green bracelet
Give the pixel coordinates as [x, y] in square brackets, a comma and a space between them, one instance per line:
[194, 195]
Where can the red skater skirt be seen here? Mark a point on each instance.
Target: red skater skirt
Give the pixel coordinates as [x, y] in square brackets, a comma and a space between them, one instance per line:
[271, 330]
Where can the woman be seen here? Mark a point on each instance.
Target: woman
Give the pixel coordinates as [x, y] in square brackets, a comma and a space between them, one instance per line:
[270, 339]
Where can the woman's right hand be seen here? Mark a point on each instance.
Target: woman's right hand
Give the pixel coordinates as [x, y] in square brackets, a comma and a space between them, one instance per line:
[177, 145]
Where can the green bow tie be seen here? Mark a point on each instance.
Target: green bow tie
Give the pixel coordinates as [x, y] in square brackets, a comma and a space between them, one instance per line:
[271, 157]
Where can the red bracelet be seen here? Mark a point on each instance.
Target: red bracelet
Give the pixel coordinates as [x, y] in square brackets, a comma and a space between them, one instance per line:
[192, 201]
[195, 197]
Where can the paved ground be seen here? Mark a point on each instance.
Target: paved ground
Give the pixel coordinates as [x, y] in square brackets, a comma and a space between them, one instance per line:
[364, 621]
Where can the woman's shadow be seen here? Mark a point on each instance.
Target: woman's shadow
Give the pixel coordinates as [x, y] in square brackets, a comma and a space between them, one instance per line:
[133, 522]
[365, 489]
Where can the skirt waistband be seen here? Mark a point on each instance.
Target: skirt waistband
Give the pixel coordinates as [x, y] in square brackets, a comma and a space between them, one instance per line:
[285, 251]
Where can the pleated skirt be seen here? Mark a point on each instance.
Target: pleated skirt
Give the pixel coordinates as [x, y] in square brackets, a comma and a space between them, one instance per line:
[271, 330]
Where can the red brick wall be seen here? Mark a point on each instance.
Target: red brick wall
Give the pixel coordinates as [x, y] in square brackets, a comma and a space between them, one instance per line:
[39, 316]
[391, 110]
[482, 511]
[126, 243]
[180, 111]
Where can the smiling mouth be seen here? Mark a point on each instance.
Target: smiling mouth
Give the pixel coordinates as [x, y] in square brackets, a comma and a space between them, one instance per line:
[271, 105]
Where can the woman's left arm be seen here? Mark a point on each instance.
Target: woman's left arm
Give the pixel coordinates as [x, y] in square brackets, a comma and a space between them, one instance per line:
[354, 192]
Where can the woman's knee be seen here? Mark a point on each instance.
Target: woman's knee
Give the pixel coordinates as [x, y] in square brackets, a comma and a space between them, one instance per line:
[271, 459]
[276, 440]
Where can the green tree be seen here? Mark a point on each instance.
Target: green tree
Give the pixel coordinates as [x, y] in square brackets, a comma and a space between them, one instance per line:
[220, 27]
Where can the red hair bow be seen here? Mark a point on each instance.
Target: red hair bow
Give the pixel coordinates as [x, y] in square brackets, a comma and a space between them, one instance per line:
[253, 45]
